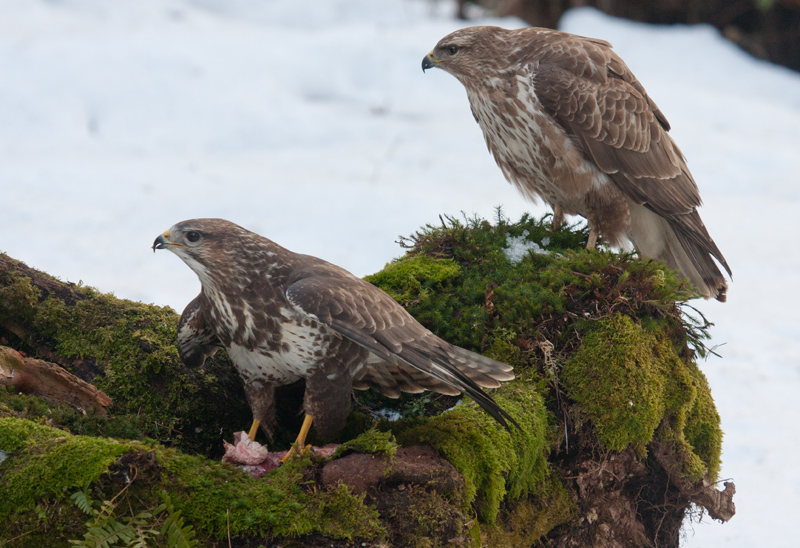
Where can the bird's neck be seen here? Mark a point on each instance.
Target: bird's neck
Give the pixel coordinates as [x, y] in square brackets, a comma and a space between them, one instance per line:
[249, 272]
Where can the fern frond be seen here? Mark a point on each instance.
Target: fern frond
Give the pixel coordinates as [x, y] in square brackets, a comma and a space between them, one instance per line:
[144, 528]
[105, 513]
[178, 535]
[105, 535]
[83, 500]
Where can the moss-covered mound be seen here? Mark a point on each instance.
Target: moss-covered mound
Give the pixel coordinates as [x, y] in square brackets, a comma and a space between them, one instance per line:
[46, 465]
[125, 348]
[618, 425]
[628, 382]
[602, 340]
[603, 330]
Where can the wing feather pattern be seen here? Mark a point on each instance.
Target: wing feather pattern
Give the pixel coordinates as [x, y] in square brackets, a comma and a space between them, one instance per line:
[558, 112]
[196, 339]
[622, 131]
[408, 357]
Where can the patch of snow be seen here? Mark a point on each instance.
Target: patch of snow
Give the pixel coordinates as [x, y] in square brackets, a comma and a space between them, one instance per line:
[389, 414]
[518, 247]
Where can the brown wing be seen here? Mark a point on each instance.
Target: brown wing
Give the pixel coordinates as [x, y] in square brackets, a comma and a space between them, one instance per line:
[409, 357]
[625, 135]
[196, 339]
[586, 58]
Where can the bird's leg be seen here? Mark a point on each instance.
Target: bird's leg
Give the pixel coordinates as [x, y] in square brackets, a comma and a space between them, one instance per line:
[261, 399]
[592, 242]
[253, 430]
[300, 442]
[558, 218]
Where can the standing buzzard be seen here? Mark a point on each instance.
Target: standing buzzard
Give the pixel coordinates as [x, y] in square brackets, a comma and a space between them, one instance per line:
[567, 121]
[283, 316]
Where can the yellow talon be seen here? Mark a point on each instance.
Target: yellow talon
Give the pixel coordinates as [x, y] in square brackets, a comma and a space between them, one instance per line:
[254, 429]
[301, 438]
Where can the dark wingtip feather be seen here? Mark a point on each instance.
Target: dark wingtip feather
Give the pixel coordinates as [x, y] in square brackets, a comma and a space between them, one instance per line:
[479, 396]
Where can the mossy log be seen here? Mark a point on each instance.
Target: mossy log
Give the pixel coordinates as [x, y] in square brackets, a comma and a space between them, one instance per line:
[620, 438]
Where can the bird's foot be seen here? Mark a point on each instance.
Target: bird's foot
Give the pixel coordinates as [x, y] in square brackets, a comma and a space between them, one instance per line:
[296, 450]
[253, 430]
[300, 442]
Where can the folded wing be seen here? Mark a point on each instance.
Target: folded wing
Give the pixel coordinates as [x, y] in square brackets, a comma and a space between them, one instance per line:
[405, 357]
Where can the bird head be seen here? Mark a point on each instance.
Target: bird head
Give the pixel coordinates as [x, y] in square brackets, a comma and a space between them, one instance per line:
[465, 51]
[199, 242]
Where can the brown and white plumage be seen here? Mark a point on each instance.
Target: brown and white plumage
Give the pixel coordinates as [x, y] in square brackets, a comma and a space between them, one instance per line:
[283, 316]
[567, 122]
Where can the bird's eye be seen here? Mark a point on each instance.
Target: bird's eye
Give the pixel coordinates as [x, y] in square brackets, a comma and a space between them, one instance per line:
[452, 50]
[192, 236]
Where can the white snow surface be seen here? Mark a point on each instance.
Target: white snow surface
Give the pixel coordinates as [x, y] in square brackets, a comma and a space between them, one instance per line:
[312, 123]
[519, 247]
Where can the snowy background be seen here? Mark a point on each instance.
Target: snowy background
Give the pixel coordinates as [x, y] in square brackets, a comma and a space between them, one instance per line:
[313, 124]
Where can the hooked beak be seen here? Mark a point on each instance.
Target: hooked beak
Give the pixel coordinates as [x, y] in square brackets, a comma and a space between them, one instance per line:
[428, 62]
[161, 242]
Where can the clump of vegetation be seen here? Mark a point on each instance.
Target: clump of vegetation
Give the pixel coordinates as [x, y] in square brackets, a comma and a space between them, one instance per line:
[603, 349]
[163, 487]
[218, 498]
[127, 349]
[372, 441]
[601, 338]
[46, 461]
[164, 524]
[619, 377]
[497, 464]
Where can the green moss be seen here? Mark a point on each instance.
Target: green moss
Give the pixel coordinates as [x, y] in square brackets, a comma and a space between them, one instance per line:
[692, 428]
[629, 381]
[529, 519]
[618, 382]
[51, 523]
[702, 430]
[503, 348]
[414, 278]
[215, 497]
[61, 415]
[44, 461]
[476, 447]
[421, 518]
[488, 292]
[496, 464]
[372, 441]
[128, 350]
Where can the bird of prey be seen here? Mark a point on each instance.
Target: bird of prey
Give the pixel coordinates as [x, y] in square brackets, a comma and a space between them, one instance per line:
[283, 316]
[567, 122]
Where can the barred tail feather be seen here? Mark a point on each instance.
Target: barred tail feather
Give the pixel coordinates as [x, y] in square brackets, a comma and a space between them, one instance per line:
[684, 245]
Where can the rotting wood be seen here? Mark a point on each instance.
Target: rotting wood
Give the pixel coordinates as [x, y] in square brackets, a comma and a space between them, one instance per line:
[49, 381]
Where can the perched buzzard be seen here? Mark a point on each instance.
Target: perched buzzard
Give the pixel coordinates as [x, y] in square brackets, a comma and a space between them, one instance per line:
[283, 316]
[567, 122]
